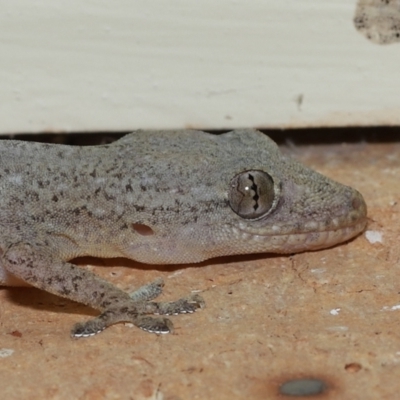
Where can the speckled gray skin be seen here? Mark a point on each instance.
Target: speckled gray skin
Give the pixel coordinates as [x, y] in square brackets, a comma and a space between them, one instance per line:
[158, 197]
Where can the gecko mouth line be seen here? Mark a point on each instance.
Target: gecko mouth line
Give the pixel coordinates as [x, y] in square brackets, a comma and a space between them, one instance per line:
[303, 241]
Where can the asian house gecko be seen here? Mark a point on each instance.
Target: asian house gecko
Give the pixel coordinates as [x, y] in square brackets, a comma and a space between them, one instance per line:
[158, 197]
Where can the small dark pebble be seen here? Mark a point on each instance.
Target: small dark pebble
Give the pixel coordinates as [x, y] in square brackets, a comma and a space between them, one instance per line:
[302, 387]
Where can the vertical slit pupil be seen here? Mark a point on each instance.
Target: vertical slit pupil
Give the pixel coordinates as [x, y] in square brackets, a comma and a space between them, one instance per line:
[255, 188]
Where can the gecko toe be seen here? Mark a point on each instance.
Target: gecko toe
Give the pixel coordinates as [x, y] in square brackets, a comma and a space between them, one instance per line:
[185, 305]
[87, 329]
[149, 291]
[155, 325]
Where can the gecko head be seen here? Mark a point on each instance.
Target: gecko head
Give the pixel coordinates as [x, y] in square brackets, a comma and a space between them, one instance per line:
[300, 210]
[236, 193]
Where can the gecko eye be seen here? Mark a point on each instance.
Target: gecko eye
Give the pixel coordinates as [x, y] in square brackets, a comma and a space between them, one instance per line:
[251, 194]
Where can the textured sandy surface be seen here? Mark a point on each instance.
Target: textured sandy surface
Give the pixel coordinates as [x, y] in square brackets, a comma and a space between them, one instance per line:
[330, 315]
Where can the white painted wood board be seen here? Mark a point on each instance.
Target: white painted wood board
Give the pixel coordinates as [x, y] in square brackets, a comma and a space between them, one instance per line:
[128, 64]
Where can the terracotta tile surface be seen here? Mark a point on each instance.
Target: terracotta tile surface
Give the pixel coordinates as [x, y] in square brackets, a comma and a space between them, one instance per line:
[332, 315]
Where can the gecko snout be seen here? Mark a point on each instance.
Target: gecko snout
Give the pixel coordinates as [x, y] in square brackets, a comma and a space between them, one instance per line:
[358, 207]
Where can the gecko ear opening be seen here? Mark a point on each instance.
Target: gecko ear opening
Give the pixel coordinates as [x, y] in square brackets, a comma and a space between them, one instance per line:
[142, 229]
[251, 194]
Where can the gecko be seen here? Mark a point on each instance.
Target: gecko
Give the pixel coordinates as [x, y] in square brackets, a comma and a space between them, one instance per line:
[158, 197]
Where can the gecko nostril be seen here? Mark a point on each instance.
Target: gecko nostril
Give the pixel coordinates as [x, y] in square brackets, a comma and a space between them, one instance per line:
[357, 202]
[143, 229]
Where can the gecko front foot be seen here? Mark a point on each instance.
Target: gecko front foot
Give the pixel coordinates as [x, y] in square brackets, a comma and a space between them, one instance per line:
[97, 325]
[137, 312]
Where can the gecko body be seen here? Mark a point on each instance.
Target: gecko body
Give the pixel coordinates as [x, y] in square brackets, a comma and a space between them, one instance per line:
[158, 197]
